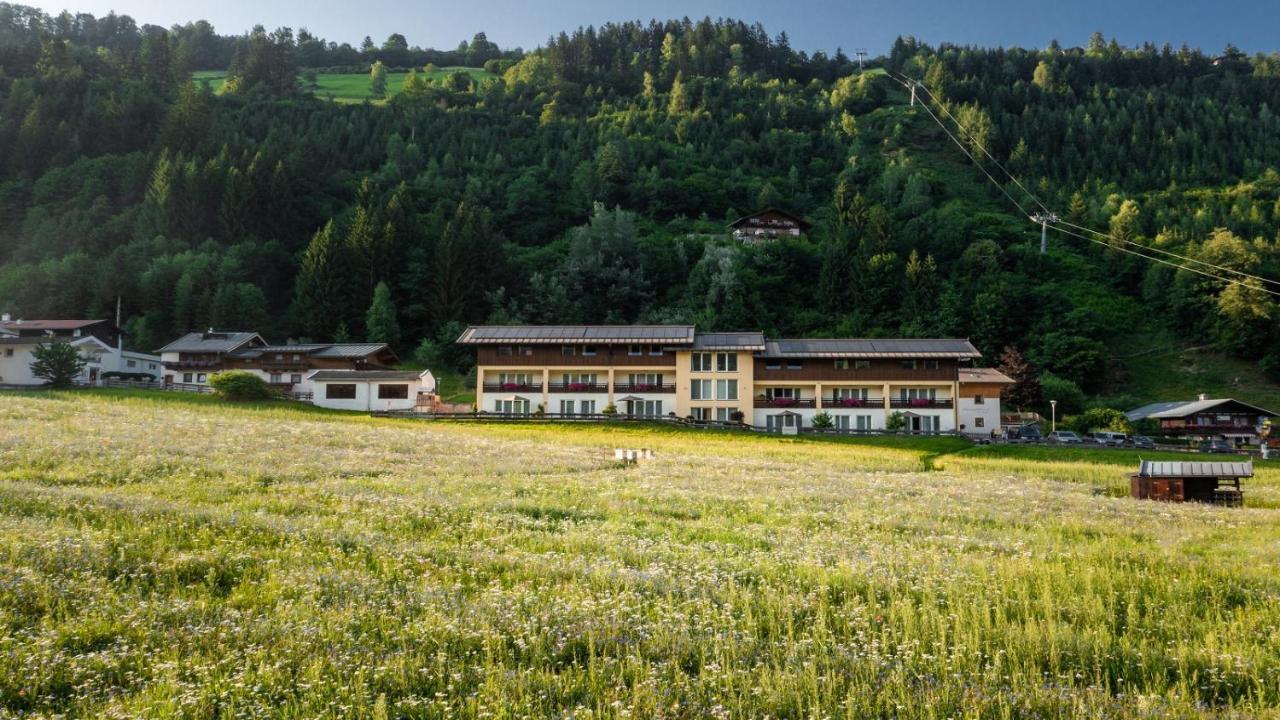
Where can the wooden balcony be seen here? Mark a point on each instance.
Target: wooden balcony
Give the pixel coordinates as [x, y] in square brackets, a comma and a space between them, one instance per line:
[513, 387]
[578, 388]
[848, 403]
[633, 388]
[920, 404]
[785, 403]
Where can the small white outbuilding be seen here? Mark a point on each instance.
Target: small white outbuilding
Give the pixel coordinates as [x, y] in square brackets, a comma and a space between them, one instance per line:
[370, 390]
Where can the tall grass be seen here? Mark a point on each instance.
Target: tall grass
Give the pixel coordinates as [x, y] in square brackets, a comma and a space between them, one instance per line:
[191, 559]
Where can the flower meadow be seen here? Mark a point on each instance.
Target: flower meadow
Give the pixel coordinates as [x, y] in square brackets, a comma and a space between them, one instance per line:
[165, 558]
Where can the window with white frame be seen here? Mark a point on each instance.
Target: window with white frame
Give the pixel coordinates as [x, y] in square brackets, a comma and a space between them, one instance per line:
[919, 394]
[511, 406]
[979, 422]
[840, 422]
[726, 389]
[653, 379]
[568, 350]
[700, 413]
[568, 407]
[295, 378]
[131, 363]
[584, 379]
[841, 363]
[862, 422]
[850, 393]
[655, 350]
[276, 379]
[635, 350]
[772, 364]
[700, 362]
[187, 377]
[645, 408]
[725, 414]
[588, 407]
[776, 393]
[589, 350]
[700, 390]
[726, 362]
[514, 379]
[795, 364]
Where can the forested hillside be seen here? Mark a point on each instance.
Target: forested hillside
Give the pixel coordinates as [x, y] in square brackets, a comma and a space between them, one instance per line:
[592, 178]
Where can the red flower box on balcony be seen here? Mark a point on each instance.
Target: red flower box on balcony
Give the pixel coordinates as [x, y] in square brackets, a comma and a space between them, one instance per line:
[850, 402]
[783, 402]
[510, 386]
[641, 387]
[577, 387]
[919, 402]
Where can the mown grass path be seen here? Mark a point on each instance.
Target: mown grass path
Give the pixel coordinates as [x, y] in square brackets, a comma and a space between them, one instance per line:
[174, 557]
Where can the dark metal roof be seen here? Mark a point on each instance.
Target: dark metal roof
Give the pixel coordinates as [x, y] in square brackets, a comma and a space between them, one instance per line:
[1160, 468]
[871, 348]
[573, 334]
[753, 341]
[48, 324]
[801, 222]
[323, 350]
[211, 342]
[1190, 407]
[363, 375]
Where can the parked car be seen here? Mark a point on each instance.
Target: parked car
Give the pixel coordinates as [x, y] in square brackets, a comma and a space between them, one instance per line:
[1110, 439]
[1216, 446]
[1064, 436]
[1142, 442]
[1030, 434]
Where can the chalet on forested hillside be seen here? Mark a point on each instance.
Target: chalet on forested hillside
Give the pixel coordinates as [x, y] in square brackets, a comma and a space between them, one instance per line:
[768, 225]
[100, 343]
[192, 358]
[1206, 418]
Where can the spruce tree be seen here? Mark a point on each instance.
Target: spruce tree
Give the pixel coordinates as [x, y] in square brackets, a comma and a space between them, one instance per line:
[380, 322]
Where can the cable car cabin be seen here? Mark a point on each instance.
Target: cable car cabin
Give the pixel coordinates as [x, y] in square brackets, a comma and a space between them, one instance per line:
[1207, 482]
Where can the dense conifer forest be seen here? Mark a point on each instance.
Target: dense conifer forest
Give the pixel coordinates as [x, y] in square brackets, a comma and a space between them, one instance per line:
[591, 180]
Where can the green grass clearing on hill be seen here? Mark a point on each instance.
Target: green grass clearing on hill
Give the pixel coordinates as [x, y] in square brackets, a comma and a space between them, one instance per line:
[352, 87]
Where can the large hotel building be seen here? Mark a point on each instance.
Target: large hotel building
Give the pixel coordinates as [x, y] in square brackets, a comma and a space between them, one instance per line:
[659, 370]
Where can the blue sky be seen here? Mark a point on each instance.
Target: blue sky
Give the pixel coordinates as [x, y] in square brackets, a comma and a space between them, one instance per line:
[812, 25]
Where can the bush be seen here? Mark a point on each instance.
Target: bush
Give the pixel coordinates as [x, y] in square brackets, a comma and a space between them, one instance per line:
[1100, 419]
[240, 385]
[822, 421]
[1068, 394]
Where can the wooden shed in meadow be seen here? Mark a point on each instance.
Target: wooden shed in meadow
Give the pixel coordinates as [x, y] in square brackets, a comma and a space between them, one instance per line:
[1176, 481]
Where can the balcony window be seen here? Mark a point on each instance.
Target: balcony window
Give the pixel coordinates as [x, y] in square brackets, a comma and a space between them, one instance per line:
[700, 362]
[726, 362]
[842, 363]
[568, 350]
[635, 350]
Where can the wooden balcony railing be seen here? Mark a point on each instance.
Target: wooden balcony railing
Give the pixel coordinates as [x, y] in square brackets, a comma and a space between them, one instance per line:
[870, 403]
[920, 404]
[783, 402]
[513, 387]
[632, 388]
[578, 388]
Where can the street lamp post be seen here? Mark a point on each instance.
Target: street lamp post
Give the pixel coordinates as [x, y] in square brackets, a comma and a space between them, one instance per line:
[1053, 415]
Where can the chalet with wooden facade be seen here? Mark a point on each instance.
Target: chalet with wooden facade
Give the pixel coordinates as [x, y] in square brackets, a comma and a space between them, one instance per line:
[192, 358]
[768, 225]
[1206, 419]
[99, 342]
[665, 370]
